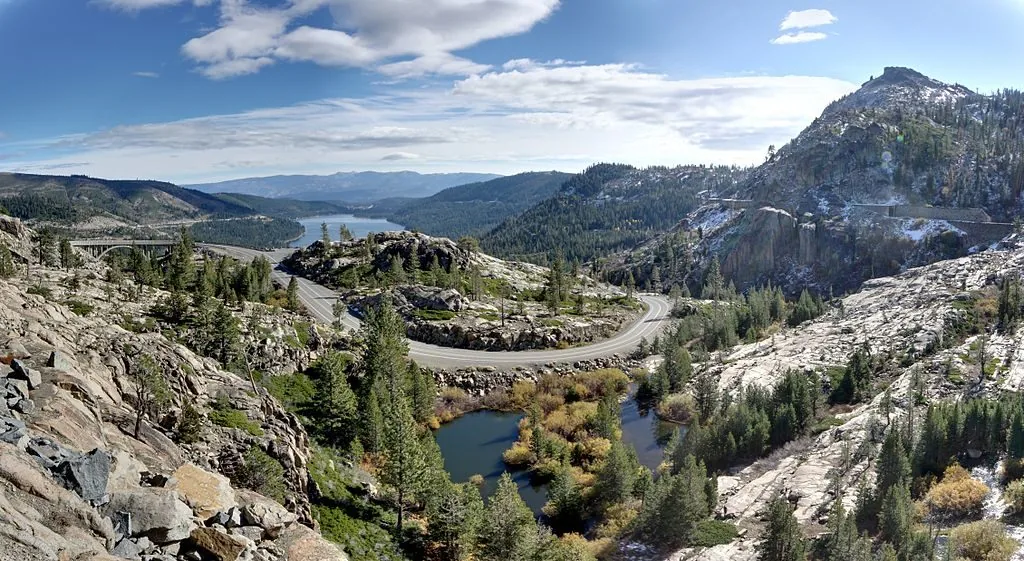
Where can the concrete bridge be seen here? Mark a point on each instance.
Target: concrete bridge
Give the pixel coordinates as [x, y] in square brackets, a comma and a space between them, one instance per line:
[101, 247]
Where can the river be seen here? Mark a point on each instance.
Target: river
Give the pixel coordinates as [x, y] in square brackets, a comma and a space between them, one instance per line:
[473, 444]
[358, 226]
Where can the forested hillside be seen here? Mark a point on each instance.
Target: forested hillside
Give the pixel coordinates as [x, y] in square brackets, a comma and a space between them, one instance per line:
[285, 208]
[78, 198]
[476, 208]
[607, 208]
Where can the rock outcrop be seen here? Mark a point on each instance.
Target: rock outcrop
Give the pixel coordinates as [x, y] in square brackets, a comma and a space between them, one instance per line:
[74, 481]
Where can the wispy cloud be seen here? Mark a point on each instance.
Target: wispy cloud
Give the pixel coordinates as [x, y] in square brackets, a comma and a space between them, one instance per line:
[137, 5]
[801, 37]
[385, 35]
[501, 120]
[146, 74]
[807, 18]
[804, 19]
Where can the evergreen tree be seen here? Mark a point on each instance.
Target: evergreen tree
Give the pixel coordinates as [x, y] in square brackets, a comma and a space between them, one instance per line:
[422, 393]
[405, 467]
[335, 403]
[678, 367]
[781, 540]
[630, 284]
[181, 264]
[675, 506]
[565, 507]
[396, 271]
[896, 516]
[6, 262]
[455, 515]
[292, 298]
[842, 543]
[344, 234]
[227, 334]
[325, 240]
[44, 239]
[705, 394]
[68, 259]
[606, 424]
[713, 282]
[508, 531]
[151, 391]
[616, 477]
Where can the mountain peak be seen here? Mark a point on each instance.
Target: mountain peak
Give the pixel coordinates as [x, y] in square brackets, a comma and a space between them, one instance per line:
[901, 86]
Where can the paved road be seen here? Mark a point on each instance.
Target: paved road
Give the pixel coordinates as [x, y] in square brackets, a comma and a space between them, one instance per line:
[320, 299]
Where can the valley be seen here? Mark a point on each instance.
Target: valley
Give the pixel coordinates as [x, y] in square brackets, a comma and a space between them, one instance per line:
[817, 358]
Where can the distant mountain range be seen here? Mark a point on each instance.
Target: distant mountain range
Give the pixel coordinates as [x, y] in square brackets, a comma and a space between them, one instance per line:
[349, 187]
[473, 209]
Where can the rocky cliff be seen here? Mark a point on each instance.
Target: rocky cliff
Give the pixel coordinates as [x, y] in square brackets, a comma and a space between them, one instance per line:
[913, 325]
[80, 485]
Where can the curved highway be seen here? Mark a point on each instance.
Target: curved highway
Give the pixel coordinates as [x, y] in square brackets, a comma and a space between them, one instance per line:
[319, 300]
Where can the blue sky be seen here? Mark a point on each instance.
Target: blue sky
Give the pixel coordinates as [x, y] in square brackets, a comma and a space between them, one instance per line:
[195, 90]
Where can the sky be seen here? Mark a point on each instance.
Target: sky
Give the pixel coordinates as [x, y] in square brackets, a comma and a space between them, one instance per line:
[201, 90]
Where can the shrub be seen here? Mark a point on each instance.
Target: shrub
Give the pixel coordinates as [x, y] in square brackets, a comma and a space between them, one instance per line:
[1014, 496]
[678, 408]
[549, 402]
[709, 533]
[522, 394]
[302, 332]
[79, 308]
[262, 474]
[224, 415]
[190, 425]
[476, 480]
[518, 455]
[982, 541]
[40, 290]
[433, 315]
[292, 390]
[956, 495]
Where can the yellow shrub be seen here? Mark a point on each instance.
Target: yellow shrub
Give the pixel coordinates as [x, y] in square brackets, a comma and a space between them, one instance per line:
[576, 548]
[518, 455]
[595, 450]
[549, 402]
[616, 519]
[982, 541]
[677, 407]
[604, 548]
[956, 494]
[571, 421]
[598, 380]
[1014, 496]
[522, 394]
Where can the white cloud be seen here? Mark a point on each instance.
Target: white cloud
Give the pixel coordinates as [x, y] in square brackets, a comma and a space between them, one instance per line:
[136, 5]
[502, 121]
[146, 74]
[401, 40]
[801, 37]
[807, 18]
[398, 156]
[442, 64]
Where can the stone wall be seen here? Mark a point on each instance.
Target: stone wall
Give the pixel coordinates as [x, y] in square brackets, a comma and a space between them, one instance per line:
[940, 213]
[979, 233]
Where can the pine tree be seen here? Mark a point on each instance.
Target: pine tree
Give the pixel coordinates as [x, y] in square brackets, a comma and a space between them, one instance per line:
[455, 515]
[335, 402]
[422, 393]
[325, 240]
[396, 271]
[6, 262]
[227, 334]
[292, 298]
[606, 424]
[896, 516]
[44, 239]
[181, 264]
[843, 543]
[678, 367]
[405, 467]
[630, 284]
[781, 540]
[151, 391]
[705, 393]
[508, 531]
[565, 506]
[616, 477]
[68, 259]
[713, 282]
[344, 234]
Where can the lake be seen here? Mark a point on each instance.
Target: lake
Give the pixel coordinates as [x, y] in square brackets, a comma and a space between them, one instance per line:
[473, 444]
[358, 226]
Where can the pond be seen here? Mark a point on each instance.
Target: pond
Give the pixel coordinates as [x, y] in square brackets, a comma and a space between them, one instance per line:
[358, 226]
[473, 444]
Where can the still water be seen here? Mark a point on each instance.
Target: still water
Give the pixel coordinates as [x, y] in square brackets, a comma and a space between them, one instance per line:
[358, 226]
[473, 444]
